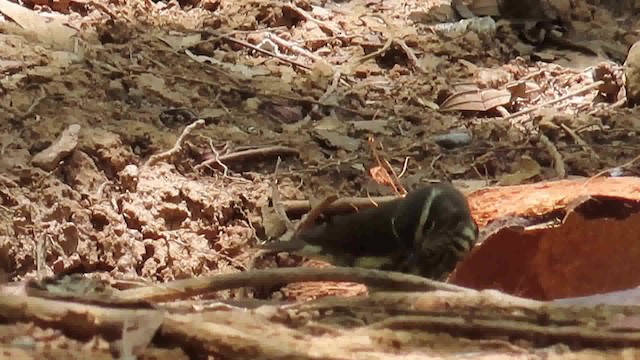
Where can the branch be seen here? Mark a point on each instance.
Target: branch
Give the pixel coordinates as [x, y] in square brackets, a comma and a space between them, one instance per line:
[153, 159]
[181, 289]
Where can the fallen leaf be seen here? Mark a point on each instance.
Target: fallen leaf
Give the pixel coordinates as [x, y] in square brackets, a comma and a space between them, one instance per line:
[47, 29]
[180, 42]
[372, 126]
[476, 100]
[526, 169]
[239, 69]
[337, 141]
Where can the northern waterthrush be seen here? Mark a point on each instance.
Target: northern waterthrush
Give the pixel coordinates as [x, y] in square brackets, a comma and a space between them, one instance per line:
[425, 233]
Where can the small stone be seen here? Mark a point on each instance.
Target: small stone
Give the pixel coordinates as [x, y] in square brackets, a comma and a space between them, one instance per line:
[453, 139]
[49, 158]
[129, 177]
[632, 74]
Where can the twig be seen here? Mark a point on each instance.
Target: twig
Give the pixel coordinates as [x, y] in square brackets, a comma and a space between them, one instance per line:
[555, 154]
[104, 8]
[413, 59]
[577, 92]
[309, 219]
[181, 289]
[389, 173]
[330, 90]
[275, 198]
[383, 49]
[343, 205]
[101, 188]
[251, 155]
[216, 158]
[297, 49]
[8, 182]
[40, 254]
[266, 52]
[435, 159]
[211, 64]
[421, 301]
[153, 159]
[404, 167]
[623, 166]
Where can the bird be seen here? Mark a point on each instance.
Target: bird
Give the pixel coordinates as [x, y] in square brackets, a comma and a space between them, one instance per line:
[426, 233]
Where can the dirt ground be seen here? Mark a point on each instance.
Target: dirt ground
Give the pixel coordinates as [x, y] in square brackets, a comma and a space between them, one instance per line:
[88, 96]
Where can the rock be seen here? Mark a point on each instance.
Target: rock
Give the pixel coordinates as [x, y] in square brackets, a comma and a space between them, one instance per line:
[49, 158]
[82, 174]
[632, 74]
[129, 177]
[453, 139]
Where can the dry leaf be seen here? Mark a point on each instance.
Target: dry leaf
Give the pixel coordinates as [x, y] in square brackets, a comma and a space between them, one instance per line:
[527, 168]
[476, 100]
[46, 29]
[180, 42]
[337, 141]
[381, 176]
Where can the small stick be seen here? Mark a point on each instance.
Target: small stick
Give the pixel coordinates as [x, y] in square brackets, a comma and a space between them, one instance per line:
[275, 198]
[363, 114]
[404, 167]
[309, 219]
[410, 54]
[565, 97]
[623, 166]
[216, 158]
[250, 154]
[181, 289]
[267, 52]
[390, 174]
[384, 48]
[153, 159]
[330, 90]
[297, 49]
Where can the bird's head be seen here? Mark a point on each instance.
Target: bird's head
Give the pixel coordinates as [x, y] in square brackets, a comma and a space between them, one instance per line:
[445, 227]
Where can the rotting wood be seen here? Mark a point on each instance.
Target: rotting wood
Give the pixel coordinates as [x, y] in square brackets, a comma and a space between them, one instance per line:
[424, 320]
